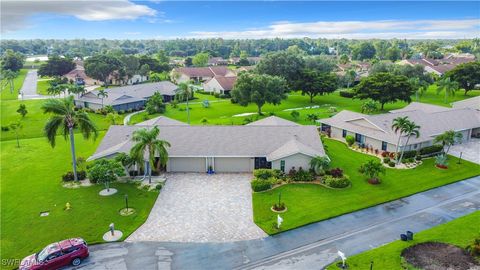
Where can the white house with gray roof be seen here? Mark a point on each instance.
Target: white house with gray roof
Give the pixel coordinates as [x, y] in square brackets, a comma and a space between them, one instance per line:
[375, 130]
[223, 148]
[127, 97]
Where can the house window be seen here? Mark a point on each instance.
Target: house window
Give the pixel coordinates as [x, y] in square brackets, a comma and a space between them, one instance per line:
[359, 138]
[384, 146]
[344, 133]
[415, 146]
[282, 165]
[262, 163]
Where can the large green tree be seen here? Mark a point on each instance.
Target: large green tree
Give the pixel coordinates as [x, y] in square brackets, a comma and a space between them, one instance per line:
[363, 50]
[313, 83]
[384, 88]
[56, 66]
[200, 59]
[259, 89]
[286, 64]
[148, 144]
[467, 75]
[64, 119]
[105, 171]
[12, 60]
[131, 65]
[101, 66]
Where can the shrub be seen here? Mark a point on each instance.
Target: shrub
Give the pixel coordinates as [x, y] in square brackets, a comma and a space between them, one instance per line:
[418, 158]
[224, 96]
[81, 175]
[409, 154]
[279, 206]
[158, 187]
[347, 94]
[233, 101]
[302, 175]
[264, 174]
[431, 149]
[350, 140]
[385, 154]
[336, 182]
[393, 155]
[336, 172]
[5, 128]
[260, 185]
[391, 164]
[386, 160]
[474, 248]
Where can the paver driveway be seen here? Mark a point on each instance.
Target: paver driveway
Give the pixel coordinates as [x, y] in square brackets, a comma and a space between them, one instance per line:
[194, 207]
[470, 150]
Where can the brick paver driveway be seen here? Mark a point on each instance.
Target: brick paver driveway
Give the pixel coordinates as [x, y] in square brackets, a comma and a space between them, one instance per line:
[194, 207]
[470, 150]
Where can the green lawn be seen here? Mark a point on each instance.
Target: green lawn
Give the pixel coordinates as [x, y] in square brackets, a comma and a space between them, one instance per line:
[309, 203]
[17, 83]
[459, 232]
[221, 111]
[31, 183]
[42, 86]
[34, 121]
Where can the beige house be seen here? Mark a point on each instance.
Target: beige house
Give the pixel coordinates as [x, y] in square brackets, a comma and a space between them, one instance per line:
[269, 144]
[375, 130]
[199, 74]
[219, 84]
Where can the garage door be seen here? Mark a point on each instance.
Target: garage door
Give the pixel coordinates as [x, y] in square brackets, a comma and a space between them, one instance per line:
[233, 165]
[185, 164]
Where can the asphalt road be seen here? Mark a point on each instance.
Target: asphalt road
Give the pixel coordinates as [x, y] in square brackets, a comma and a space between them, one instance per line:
[310, 247]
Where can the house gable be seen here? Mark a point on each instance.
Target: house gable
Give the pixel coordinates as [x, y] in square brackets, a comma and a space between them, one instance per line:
[363, 122]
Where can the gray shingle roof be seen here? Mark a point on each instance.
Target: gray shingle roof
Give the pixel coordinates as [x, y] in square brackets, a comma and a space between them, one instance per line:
[428, 108]
[161, 121]
[272, 121]
[218, 141]
[472, 103]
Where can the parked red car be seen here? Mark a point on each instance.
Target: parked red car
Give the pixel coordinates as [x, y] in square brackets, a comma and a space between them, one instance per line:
[57, 255]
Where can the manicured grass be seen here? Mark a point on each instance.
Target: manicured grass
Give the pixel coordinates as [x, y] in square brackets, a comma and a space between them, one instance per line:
[309, 203]
[42, 86]
[221, 111]
[31, 183]
[17, 83]
[459, 232]
[35, 120]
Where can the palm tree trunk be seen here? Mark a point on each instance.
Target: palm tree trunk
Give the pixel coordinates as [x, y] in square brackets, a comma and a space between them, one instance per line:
[188, 110]
[398, 144]
[403, 150]
[18, 142]
[149, 173]
[72, 148]
[448, 149]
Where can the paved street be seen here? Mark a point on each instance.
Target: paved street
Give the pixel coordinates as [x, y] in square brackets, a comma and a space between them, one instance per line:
[309, 247]
[29, 87]
[196, 207]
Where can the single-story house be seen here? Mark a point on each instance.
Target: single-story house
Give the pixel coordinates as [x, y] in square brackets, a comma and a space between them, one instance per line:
[199, 74]
[223, 148]
[375, 130]
[439, 66]
[252, 60]
[78, 75]
[127, 97]
[220, 84]
[217, 61]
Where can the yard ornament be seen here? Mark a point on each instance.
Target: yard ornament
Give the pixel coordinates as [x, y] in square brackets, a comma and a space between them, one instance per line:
[279, 221]
[344, 258]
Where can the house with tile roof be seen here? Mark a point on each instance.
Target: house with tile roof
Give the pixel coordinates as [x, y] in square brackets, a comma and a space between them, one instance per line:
[375, 130]
[199, 74]
[267, 144]
[220, 84]
[439, 66]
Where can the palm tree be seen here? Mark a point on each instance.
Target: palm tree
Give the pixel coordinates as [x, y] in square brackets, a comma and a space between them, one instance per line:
[16, 127]
[398, 125]
[65, 118]
[9, 76]
[319, 164]
[448, 86]
[372, 169]
[350, 76]
[185, 91]
[147, 143]
[448, 138]
[102, 94]
[420, 86]
[410, 129]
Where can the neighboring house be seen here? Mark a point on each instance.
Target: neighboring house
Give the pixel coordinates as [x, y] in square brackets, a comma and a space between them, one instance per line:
[199, 74]
[219, 84]
[375, 130]
[253, 60]
[272, 121]
[224, 148]
[472, 103]
[78, 75]
[115, 79]
[217, 61]
[131, 97]
[439, 66]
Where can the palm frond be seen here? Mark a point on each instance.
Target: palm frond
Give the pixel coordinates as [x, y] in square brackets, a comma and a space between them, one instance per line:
[51, 128]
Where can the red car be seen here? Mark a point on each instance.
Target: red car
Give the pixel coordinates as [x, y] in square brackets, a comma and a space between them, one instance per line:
[57, 255]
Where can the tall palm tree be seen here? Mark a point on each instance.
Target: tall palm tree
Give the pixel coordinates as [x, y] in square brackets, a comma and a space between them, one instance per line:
[185, 91]
[420, 87]
[319, 164]
[148, 144]
[398, 125]
[448, 138]
[65, 118]
[410, 129]
[448, 86]
[9, 76]
[102, 94]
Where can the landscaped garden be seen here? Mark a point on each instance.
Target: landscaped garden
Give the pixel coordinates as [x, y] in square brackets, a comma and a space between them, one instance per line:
[32, 183]
[309, 203]
[460, 232]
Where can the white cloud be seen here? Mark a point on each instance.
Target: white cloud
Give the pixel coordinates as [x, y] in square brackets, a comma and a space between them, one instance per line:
[387, 29]
[15, 13]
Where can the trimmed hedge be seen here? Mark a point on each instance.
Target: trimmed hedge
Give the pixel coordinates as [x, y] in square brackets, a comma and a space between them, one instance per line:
[260, 185]
[409, 154]
[265, 174]
[346, 94]
[431, 149]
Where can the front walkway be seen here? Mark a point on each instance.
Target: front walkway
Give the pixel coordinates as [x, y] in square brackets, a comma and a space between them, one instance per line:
[196, 207]
[470, 150]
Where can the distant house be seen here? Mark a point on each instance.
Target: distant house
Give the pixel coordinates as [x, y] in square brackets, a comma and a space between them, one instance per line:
[440, 66]
[199, 74]
[219, 84]
[375, 130]
[268, 144]
[78, 75]
[253, 60]
[132, 97]
[217, 61]
[115, 79]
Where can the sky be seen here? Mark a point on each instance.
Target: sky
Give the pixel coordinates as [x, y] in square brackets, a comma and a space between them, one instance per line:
[124, 19]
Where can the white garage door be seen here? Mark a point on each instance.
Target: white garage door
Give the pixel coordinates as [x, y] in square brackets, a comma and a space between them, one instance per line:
[186, 164]
[233, 164]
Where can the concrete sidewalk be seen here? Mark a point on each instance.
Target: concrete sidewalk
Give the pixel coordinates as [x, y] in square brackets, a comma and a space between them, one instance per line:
[310, 247]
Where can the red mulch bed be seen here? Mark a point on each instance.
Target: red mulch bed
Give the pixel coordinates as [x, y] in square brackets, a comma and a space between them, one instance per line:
[373, 181]
[438, 256]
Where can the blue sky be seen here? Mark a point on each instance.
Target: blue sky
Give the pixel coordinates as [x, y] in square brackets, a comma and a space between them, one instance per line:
[123, 19]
